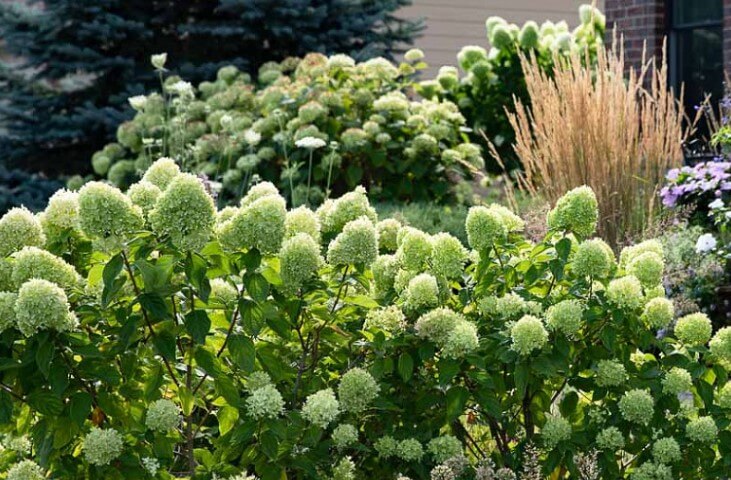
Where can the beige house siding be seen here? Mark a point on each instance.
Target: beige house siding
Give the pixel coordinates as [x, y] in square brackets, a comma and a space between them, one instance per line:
[452, 24]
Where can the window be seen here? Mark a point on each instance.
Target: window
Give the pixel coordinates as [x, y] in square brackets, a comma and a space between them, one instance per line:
[696, 49]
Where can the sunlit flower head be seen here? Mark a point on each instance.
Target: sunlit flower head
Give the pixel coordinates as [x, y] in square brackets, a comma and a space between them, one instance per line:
[528, 334]
[321, 408]
[162, 172]
[19, 228]
[357, 244]
[577, 211]
[357, 390]
[42, 305]
[101, 446]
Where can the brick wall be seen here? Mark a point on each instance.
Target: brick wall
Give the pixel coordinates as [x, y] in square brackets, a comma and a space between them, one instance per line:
[641, 22]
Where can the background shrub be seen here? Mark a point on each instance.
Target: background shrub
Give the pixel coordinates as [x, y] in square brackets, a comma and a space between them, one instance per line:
[80, 61]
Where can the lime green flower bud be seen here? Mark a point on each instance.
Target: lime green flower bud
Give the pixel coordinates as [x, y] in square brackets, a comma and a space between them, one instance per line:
[577, 211]
[32, 262]
[265, 403]
[414, 55]
[384, 271]
[528, 334]
[512, 222]
[351, 206]
[61, 215]
[258, 225]
[448, 256]
[19, 228]
[470, 55]
[42, 305]
[461, 341]
[344, 469]
[630, 253]
[299, 260]
[610, 439]
[421, 292]
[610, 373]
[321, 408]
[386, 446]
[105, 213]
[357, 390]
[694, 329]
[184, 212]
[652, 471]
[666, 450]
[356, 244]
[437, 324]
[410, 450]
[144, 194]
[223, 292]
[162, 415]
[625, 293]
[390, 320]
[26, 470]
[555, 431]
[593, 258]
[659, 312]
[492, 22]
[414, 249]
[162, 172]
[484, 227]
[302, 220]
[529, 36]
[676, 381]
[724, 396]
[501, 37]
[648, 268]
[445, 447]
[565, 317]
[637, 406]
[388, 231]
[257, 380]
[344, 435]
[702, 430]
[7, 310]
[102, 446]
[260, 190]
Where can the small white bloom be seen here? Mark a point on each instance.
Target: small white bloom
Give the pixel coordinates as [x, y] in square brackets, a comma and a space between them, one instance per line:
[151, 465]
[226, 121]
[310, 143]
[182, 88]
[252, 137]
[138, 102]
[705, 243]
[717, 203]
[158, 60]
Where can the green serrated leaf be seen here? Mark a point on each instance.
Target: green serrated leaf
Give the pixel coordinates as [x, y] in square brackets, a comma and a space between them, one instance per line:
[405, 366]
[227, 418]
[198, 325]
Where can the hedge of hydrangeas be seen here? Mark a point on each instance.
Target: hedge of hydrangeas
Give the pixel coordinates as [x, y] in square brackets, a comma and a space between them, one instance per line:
[155, 336]
[490, 79]
[312, 126]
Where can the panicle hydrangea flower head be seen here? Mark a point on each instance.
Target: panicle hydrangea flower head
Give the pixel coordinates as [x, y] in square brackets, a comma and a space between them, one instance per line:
[42, 305]
[151, 465]
[7, 310]
[461, 340]
[26, 470]
[630, 253]
[344, 469]
[321, 408]
[593, 258]
[625, 292]
[265, 402]
[410, 450]
[666, 450]
[260, 190]
[421, 292]
[351, 206]
[415, 248]
[652, 471]
[384, 271]
[386, 446]
[357, 390]
[720, 345]
[577, 211]
[344, 435]
[610, 373]
[724, 396]
[390, 320]
[702, 430]
[302, 220]
[448, 256]
[437, 324]
[676, 381]
[469, 55]
[61, 214]
[340, 60]
[184, 212]
[162, 172]
[529, 36]
[512, 222]
[565, 317]
[32, 262]
[556, 430]
[225, 214]
[105, 213]
[144, 194]
[259, 225]
[162, 415]
[257, 380]
[637, 406]
[648, 268]
[19, 228]
[484, 228]
[299, 259]
[528, 334]
[388, 231]
[507, 307]
[356, 244]
[694, 329]
[223, 291]
[445, 447]
[659, 312]
[20, 445]
[610, 439]
[101, 446]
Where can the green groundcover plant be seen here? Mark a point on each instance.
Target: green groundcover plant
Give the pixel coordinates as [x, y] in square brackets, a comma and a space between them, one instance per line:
[147, 335]
[493, 79]
[310, 125]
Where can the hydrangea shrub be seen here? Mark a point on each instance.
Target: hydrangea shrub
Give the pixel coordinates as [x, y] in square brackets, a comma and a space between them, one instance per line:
[312, 126]
[260, 342]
